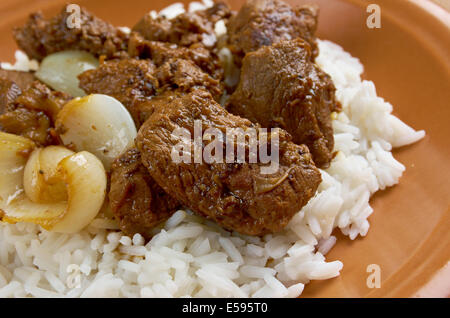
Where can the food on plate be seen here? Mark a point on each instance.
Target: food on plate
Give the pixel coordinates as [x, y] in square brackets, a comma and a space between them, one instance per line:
[96, 123]
[235, 195]
[30, 110]
[263, 23]
[137, 201]
[203, 152]
[161, 52]
[64, 191]
[60, 70]
[135, 83]
[301, 101]
[39, 37]
[185, 29]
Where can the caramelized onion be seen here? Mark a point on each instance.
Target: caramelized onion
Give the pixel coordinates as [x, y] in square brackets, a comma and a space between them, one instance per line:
[99, 124]
[65, 197]
[60, 70]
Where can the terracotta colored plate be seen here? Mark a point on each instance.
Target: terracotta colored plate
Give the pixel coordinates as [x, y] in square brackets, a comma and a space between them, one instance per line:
[408, 58]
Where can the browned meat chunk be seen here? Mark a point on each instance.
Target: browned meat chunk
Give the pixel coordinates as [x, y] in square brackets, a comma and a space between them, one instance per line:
[32, 113]
[136, 200]
[185, 76]
[9, 91]
[281, 87]
[265, 22]
[22, 79]
[135, 82]
[152, 105]
[185, 29]
[12, 83]
[40, 37]
[40, 97]
[27, 123]
[130, 81]
[160, 52]
[238, 196]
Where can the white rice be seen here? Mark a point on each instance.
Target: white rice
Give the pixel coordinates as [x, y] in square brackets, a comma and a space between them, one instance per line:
[191, 257]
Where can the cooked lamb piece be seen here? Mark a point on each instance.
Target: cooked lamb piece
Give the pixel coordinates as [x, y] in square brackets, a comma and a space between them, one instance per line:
[130, 81]
[160, 52]
[281, 87]
[135, 82]
[39, 97]
[12, 83]
[31, 113]
[185, 29]
[185, 76]
[265, 22]
[27, 123]
[9, 91]
[152, 105]
[238, 196]
[137, 201]
[22, 79]
[40, 37]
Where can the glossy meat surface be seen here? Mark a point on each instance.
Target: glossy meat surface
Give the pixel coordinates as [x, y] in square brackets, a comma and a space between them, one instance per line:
[238, 196]
[40, 37]
[281, 87]
[266, 22]
[137, 201]
[30, 109]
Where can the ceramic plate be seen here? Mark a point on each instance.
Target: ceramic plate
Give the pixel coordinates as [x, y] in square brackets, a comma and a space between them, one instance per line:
[408, 58]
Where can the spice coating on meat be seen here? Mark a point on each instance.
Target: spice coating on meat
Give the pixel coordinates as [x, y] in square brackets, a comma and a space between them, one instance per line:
[137, 201]
[168, 74]
[235, 195]
[185, 76]
[136, 82]
[160, 52]
[32, 112]
[185, 29]
[9, 91]
[265, 22]
[12, 83]
[130, 81]
[22, 79]
[40, 37]
[281, 87]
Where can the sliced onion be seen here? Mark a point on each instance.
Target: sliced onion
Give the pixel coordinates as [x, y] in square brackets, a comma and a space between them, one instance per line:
[99, 124]
[81, 173]
[40, 182]
[60, 70]
[85, 178]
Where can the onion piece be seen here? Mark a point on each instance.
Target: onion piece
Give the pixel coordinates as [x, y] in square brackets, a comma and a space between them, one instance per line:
[40, 183]
[60, 70]
[86, 186]
[99, 124]
[82, 174]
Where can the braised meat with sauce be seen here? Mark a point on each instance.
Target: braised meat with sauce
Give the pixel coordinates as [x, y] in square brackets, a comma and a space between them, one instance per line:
[137, 201]
[235, 195]
[281, 87]
[40, 37]
[168, 74]
[12, 84]
[266, 22]
[28, 107]
[22, 79]
[130, 81]
[185, 29]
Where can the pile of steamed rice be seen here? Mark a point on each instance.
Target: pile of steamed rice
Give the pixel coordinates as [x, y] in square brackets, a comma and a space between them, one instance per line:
[192, 257]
